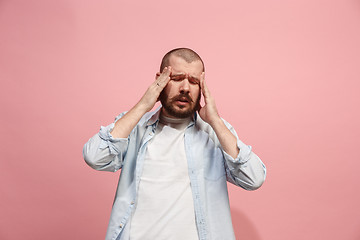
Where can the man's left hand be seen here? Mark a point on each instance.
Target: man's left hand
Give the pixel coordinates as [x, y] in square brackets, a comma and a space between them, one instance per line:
[208, 112]
[210, 115]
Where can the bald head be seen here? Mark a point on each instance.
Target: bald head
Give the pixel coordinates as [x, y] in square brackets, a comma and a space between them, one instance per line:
[185, 53]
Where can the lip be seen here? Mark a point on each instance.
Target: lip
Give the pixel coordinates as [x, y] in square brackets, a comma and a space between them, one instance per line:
[184, 102]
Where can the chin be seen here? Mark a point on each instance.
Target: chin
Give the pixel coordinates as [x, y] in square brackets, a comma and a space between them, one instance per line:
[178, 112]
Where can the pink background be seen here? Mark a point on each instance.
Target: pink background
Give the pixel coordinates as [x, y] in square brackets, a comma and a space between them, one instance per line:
[284, 73]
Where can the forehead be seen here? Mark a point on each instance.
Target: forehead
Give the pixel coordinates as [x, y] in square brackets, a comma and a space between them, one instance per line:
[179, 65]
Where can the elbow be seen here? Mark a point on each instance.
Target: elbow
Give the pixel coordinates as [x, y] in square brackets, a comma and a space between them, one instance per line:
[101, 155]
[257, 179]
[90, 162]
[250, 185]
[256, 184]
[256, 176]
[95, 162]
[251, 182]
[101, 160]
[89, 158]
[92, 157]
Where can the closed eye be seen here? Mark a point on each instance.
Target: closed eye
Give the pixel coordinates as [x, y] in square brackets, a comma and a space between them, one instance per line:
[194, 80]
[181, 77]
[178, 77]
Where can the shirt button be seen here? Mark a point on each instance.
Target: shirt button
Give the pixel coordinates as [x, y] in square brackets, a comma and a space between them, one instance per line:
[132, 202]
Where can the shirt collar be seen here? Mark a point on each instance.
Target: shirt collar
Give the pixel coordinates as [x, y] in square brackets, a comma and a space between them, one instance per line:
[153, 117]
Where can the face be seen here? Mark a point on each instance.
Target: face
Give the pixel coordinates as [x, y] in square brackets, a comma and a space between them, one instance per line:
[181, 96]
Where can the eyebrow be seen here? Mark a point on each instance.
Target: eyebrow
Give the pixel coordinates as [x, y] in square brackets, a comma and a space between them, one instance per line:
[182, 74]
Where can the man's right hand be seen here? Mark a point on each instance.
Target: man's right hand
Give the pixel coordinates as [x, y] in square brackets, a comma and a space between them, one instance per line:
[152, 94]
[124, 125]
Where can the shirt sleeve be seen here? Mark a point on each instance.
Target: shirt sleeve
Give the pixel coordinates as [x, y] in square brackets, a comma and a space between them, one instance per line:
[104, 152]
[246, 170]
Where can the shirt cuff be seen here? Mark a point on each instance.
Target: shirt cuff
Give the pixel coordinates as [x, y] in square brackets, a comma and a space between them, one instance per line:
[243, 155]
[115, 145]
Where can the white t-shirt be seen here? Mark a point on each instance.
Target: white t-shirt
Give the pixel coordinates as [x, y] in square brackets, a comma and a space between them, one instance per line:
[164, 208]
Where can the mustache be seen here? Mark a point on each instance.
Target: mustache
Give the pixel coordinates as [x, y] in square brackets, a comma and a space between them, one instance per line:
[182, 96]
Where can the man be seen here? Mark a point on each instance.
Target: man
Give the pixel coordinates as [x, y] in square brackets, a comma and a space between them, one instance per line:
[175, 161]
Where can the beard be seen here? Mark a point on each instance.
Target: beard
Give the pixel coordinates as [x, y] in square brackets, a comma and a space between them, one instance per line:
[179, 111]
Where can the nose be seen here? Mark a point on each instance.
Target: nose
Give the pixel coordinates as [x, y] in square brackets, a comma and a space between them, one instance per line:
[185, 86]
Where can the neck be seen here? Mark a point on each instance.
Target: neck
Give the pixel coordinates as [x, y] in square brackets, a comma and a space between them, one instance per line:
[174, 122]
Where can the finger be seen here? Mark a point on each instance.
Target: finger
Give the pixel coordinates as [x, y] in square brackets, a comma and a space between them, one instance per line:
[165, 76]
[202, 79]
[204, 89]
[166, 71]
[162, 78]
[163, 73]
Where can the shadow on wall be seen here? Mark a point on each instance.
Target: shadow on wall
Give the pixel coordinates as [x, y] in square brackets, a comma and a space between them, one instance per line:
[243, 226]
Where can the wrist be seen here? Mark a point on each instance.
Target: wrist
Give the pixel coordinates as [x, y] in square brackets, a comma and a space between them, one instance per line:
[142, 107]
[216, 122]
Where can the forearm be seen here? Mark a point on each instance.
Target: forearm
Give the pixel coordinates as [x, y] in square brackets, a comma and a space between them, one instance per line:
[126, 124]
[226, 138]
